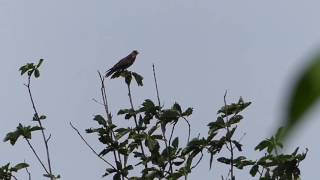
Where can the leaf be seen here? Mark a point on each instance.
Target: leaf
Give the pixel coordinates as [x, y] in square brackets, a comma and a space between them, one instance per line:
[188, 112]
[26, 68]
[19, 166]
[305, 93]
[12, 137]
[238, 145]
[122, 111]
[42, 117]
[262, 145]
[128, 79]
[36, 73]
[254, 170]
[36, 128]
[177, 107]
[138, 78]
[175, 142]
[151, 131]
[224, 160]
[100, 120]
[39, 63]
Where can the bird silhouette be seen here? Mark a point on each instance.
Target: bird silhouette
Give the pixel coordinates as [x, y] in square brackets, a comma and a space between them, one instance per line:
[123, 64]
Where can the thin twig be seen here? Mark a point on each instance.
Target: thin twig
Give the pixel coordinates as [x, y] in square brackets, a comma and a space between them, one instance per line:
[93, 99]
[40, 124]
[106, 107]
[198, 161]
[156, 83]
[230, 142]
[172, 130]
[159, 104]
[135, 120]
[37, 156]
[29, 174]
[189, 128]
[78, 132]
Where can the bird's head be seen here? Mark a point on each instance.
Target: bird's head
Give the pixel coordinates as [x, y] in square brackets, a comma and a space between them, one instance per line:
[135, 53]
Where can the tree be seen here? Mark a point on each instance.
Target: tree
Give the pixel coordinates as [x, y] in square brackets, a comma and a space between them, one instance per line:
[144, 142]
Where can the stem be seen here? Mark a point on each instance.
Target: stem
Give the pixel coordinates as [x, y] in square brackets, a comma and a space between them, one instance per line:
[229, 140]
[45, 140]
[159, 104]
[78, 132]
[28, 172]
[37, 156]
[172, 130]
[155, 82]
[135, 120]
[189, 128]
[106, 107]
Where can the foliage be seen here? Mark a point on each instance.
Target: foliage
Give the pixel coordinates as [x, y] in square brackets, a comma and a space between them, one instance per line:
[149, 143]
[6, 172]
[304, 94]
[25, 132]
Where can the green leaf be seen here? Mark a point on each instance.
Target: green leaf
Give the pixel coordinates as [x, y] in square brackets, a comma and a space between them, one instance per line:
[36, 128]
[224, 160]
[151, 131]
[305, 93]
[100, 120]
[262, 145]
[39, 63]
[128, 79]
[188, 112]
[42, 117]
[177, 107]
[123, 111]
[12, 137]
[19, 166]
[175, 142]
[138, 78]
[254, 170]
[238, 145]
[36, 73]
[26, 68]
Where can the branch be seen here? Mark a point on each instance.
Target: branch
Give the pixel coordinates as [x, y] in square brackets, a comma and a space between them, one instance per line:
[29, 174]
[106, 107]
[198, 161]
[91, 146]
[230, 142]
[37, 156]
[135, 120]
[40, 124]
[189, 128]
[156, 84]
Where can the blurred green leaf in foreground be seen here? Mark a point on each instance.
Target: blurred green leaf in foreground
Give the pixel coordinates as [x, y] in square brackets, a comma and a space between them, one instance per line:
[304, 94]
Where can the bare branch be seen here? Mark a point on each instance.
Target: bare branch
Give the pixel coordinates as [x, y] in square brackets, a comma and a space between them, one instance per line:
[156, 84]
[37, 156]
[40, 124]
[73, 127]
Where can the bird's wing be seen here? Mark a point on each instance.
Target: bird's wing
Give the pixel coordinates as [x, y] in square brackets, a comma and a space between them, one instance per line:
[123, 63]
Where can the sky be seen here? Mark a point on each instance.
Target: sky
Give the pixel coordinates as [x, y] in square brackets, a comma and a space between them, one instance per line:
[202, 48]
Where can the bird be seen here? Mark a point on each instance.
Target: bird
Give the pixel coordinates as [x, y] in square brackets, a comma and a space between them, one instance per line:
[123, 64]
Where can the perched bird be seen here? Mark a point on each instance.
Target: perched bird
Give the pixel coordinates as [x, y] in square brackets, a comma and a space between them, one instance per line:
[123, 64]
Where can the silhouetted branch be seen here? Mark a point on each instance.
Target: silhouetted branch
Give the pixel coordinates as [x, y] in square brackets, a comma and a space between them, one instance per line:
[73, 127]
[40, 124]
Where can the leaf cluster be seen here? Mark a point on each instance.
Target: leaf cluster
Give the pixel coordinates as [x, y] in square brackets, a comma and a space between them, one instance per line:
[6, 171]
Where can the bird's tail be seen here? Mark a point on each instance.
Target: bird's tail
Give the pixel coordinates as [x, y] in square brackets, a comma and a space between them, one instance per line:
[109, 72]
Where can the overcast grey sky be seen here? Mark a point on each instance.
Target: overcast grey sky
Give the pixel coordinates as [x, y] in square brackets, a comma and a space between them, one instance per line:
[201, 48]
